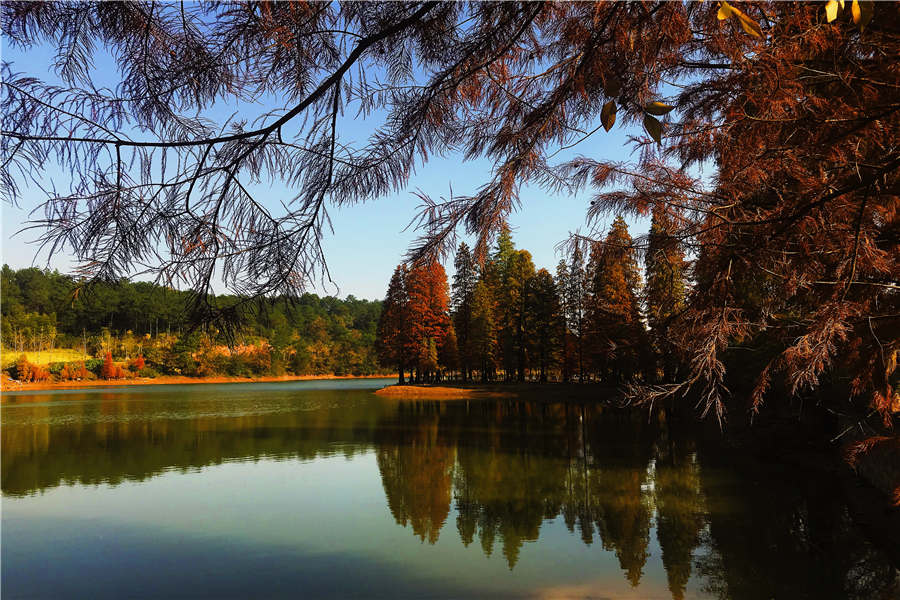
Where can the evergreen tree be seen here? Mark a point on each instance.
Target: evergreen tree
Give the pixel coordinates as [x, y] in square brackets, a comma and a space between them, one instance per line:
[520, 274]
[393, 334]
[464, 282]
[665, 290]
[497, 277]
[576, 298]
[507, 274]
[544, 323]
[448, 353]
[566, 350]
[483, 340]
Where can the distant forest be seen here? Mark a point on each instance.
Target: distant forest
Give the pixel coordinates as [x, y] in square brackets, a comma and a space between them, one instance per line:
[309, 335]
[595, 319]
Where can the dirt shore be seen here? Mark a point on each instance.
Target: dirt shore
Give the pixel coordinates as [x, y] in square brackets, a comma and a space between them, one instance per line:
[9, 385]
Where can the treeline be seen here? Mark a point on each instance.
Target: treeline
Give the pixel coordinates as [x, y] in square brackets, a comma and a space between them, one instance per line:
[311, 335]
[594, 320]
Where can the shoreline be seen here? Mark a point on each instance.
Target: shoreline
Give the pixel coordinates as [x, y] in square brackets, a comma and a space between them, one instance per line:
[9, 386]
[545, 392]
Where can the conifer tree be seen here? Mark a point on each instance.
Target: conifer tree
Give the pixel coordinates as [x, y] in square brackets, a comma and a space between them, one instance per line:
[576, 298]
[497, 277]
[429, 318]
[520, 274]
[464, 281]
[448, 353]
[483, 340]
[393, 333]
[544, 323]
[616, 331]
[566, 353]
[665, 290]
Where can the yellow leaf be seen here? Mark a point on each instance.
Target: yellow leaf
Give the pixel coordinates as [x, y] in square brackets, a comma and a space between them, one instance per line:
[724, 11]
[608, 115]
[862, 12]
[653, 127]
[658, 108]
[748, 24]
[831, 10]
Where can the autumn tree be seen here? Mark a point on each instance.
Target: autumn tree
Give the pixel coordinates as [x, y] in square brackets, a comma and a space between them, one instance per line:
[429, 314]
[615, 331]
[393, 338]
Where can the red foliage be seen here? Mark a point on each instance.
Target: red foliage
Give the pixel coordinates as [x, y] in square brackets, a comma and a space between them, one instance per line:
[108, 370]
[429, 314]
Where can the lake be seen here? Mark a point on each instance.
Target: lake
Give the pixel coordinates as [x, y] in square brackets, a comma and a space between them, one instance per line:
[322, 489]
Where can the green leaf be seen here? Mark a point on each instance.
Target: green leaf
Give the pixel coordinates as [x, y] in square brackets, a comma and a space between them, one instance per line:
[658, 108]
[608, 115]
[653, 127]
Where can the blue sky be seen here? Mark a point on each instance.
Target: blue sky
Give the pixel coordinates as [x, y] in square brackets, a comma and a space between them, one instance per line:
[369, 239]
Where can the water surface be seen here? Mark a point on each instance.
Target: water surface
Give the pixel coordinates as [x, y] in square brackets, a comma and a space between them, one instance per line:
[324, 490]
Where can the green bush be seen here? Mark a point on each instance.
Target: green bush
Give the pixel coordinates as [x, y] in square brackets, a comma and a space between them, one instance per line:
[94, 365]
[56, 367]
[148, 372]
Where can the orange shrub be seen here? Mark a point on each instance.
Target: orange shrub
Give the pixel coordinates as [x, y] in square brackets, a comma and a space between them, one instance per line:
[108, 370]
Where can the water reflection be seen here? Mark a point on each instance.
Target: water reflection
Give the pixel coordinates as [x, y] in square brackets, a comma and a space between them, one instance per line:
[496, 471]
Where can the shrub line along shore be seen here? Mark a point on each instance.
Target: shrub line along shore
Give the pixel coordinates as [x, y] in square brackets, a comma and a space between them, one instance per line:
[11, 385]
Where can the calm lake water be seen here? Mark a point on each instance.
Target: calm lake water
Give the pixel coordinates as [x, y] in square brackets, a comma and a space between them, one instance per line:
[324, 490]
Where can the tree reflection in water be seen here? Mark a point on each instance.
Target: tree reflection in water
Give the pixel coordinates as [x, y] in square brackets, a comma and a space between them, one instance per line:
[743, 530]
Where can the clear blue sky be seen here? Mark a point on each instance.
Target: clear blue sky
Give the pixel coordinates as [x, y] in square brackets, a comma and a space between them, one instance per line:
[369, 239]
